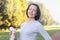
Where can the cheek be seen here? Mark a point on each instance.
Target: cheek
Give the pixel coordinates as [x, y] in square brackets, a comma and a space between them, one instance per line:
[34, 13]
[29, 13]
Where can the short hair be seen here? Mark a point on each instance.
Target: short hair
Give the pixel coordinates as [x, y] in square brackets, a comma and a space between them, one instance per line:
[38, 11]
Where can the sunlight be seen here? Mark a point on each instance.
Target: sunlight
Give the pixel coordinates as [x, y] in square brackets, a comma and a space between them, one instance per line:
[53, 6]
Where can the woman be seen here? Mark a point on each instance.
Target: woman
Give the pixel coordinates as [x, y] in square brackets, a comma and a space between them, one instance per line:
[32, 27]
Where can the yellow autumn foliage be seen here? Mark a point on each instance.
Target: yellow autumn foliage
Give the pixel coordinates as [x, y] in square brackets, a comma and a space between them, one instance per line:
[17, 9]
[45, 16]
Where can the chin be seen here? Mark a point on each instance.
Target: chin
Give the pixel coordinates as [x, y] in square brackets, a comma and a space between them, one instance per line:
[30, 16]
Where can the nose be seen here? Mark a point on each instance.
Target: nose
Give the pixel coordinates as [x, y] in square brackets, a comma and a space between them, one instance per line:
[31, 11]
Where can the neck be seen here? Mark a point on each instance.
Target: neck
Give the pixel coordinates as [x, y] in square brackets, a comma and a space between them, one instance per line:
[31, 19]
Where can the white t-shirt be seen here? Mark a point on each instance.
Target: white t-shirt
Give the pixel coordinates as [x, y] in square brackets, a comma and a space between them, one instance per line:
[30, 30]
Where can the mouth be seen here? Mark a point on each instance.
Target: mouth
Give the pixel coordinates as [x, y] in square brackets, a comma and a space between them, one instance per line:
[30, 14]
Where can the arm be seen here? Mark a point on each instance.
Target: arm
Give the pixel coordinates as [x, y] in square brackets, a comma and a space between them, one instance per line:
[44, 33]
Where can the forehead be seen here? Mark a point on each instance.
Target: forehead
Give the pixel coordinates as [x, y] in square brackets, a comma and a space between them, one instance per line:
[33, 7]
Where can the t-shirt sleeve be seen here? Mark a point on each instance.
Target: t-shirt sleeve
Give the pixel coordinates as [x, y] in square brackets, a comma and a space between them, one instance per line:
[22, 24]
[43, 32]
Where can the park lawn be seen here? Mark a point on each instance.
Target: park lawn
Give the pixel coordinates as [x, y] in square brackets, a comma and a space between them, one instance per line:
[5, 35]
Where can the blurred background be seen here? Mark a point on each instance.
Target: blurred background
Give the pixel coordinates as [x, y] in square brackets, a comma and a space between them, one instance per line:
[13, 12]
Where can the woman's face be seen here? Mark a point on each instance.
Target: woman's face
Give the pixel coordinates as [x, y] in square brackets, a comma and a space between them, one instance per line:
[32, 11]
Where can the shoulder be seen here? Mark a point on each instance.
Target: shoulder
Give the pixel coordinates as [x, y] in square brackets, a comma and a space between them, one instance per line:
[23, 23]
[38, 23]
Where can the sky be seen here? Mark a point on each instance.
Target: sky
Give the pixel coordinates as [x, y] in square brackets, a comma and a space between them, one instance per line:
[53, 6]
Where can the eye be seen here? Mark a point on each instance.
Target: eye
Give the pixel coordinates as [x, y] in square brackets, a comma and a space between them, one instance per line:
[29, 9]
[34, 10]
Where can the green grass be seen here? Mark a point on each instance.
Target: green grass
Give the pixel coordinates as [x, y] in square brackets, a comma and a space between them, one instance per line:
[5, 35]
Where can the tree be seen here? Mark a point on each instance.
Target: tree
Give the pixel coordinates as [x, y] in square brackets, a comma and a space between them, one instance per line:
[12, 12]
[46, 18]
[3, 15]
